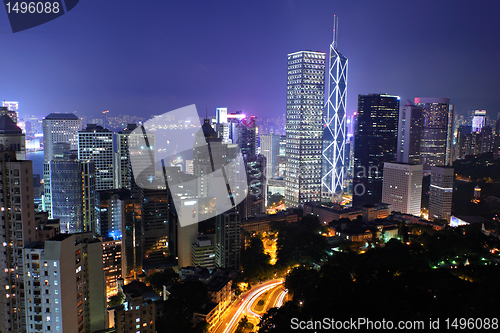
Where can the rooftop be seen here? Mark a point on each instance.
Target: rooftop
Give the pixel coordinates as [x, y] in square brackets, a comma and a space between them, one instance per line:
[61, 116]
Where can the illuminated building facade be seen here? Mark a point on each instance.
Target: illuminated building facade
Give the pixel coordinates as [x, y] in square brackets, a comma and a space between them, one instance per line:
[59, 127]
[436, 146]
[478, 120]
[441, 193]
[335, 129]
[96, 144]
[402, 187]
[304, 127]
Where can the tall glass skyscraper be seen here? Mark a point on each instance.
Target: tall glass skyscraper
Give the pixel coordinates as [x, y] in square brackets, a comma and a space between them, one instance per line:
[375, 143]
[437, 134]
[335, 131]
[304, 126]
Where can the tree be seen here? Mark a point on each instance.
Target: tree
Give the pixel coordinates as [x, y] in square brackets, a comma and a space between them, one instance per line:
[160, 279]
[116, 299]
[244, 325]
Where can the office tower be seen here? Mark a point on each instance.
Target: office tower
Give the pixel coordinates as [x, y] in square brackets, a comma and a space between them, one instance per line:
[96, 144]
[441, 193]
[375, 143]
[186, 236]
[335, 130]
[228, 240]
[59, 127]
[436, 145]
[470, 143]
[270, 148]
[12, 137]
[304, 127]
[478, 120]
[64, 284]
[127, 140]
[222, 125]
[18, 229]
[402, 187]
[203, 253]
[410, 134]
[69, 193]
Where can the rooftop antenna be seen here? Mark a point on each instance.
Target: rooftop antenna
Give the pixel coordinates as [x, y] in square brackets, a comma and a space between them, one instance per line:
[335, 30]
[206, 113]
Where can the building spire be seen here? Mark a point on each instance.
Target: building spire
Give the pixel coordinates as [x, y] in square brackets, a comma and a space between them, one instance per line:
[335, 30]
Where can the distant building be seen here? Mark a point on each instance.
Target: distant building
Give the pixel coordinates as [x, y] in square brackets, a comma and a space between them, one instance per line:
[410, 130]
[436, 146]
[402, 187]
[12, 137]
[270, 148]
[203, 253]
[59, 127]
[441, 193]
[96, 144]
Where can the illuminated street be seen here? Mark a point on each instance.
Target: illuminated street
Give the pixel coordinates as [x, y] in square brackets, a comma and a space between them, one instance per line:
[247, 302]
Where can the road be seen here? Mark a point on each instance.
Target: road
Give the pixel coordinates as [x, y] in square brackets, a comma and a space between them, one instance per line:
[247, 302]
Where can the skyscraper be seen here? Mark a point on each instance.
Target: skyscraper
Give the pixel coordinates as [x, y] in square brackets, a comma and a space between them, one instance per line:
[375, 142]
[436, 146]
[410, 130]
[304, 126]
[441, 193]
[59, 127]
[96, 144]
[269, 147]
[402, 187]
[70, 193]
[228, 240]
[335, 131]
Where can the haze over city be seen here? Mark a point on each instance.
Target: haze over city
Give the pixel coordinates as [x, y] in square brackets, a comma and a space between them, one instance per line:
[161, 55]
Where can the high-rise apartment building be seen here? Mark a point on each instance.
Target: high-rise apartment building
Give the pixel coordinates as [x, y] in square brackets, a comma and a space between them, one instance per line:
[304, 127]
[402, 187]
[335, 130]
[410, 130]
[96, 144]
[18, 229]
[59, 127]
[9, 109]
[375, 143]
[64, 284]
[441, 193]
[437, 136]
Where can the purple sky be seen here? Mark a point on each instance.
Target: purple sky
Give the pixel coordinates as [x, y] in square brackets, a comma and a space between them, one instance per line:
[149, 57]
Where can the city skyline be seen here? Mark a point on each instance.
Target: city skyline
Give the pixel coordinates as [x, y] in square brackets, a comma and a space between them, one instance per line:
[171, 75]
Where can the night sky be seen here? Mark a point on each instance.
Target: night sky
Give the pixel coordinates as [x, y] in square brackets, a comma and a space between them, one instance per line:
[152, 56]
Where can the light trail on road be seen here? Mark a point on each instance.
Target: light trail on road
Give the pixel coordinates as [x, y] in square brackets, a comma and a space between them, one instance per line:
[247, 302]
[280, 299]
